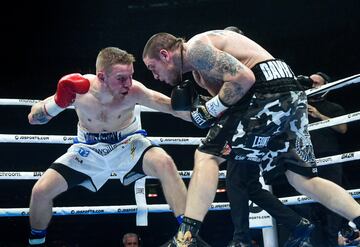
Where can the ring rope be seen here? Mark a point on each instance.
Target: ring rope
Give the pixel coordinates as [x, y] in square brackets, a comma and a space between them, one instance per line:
[30, 102]
[59, 139]
[154, 208]
[142, 207]
[333, 85]
[34, 175]
[310, 92]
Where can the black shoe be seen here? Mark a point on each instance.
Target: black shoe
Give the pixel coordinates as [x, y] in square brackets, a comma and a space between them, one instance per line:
[300, 237]
[186, 241]
[235, 243]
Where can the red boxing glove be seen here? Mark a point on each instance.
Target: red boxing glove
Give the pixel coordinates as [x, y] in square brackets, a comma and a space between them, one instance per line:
[67, 88]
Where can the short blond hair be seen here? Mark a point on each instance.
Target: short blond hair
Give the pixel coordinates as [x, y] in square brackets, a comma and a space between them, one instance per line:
[110, 56]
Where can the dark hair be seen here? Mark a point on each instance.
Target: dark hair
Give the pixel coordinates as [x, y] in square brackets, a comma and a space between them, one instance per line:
[161, 41]
[326, 78]
[234, 29]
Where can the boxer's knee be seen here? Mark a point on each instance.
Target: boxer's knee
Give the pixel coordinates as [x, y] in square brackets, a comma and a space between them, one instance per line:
[44, 191]
[40, 193]
[165, 167]
[169, 167]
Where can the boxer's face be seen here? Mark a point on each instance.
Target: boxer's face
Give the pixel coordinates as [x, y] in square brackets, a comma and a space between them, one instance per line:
[163, 70]
[119, 79]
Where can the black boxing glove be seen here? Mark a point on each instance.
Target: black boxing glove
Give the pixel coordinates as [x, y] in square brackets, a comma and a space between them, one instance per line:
[205, 110]
[182, 96]
[305, 81]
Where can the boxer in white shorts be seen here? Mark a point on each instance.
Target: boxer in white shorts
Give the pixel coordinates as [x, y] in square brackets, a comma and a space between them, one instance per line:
[109, 137]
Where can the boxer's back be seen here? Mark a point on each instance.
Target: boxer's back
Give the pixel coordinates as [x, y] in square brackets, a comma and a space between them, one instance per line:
[244, 49]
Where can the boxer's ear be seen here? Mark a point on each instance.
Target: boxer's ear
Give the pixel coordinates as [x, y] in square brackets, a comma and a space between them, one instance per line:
[100, 75]
[164, 55]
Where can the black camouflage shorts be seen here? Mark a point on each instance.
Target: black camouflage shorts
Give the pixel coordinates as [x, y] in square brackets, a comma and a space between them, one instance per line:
[271, 131]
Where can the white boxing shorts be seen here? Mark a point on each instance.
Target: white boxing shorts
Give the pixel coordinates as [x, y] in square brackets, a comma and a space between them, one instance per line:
[91, 161]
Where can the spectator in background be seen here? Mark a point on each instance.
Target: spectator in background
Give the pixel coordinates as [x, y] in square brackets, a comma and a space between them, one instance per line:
[131, 240]
[326, 143]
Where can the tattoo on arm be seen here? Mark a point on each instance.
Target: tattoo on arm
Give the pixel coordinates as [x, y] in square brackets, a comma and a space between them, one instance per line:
[202, 56]
[231, 93]
[41, 116]
[218, 67]
[205, 58]
[227, 64]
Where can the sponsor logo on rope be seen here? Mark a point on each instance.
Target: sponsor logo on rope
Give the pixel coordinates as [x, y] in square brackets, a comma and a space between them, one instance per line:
[31, 138]
[222, 174]
[10, 174]
[347, 155]
[259, 217]
[28, 101]
[324, 160]
[355, 193]
[303, 199]
[126, 210]
[284, 201]
[219, 206]
[353, 114]
[174, 139]
[68, 138]
[87, 211]
[184, 173]
[320, 122]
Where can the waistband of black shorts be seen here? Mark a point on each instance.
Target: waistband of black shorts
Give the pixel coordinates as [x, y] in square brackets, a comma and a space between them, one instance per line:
[274, 76]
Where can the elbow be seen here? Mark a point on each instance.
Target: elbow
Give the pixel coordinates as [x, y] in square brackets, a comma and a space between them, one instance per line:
[343, 129]
[249, 78]
[30, 118]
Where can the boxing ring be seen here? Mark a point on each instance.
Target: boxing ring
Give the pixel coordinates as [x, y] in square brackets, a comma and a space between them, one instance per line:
[141, 209]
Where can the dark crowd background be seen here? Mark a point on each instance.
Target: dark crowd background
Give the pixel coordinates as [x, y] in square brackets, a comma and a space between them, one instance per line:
[44, 40]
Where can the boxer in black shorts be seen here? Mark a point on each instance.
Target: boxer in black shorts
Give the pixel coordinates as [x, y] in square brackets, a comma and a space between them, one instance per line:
[268, 127]
[257, 112]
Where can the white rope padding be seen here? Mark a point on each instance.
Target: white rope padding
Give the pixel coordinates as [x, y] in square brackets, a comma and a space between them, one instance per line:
[355, 116]
[59, 139]
[333, 85]
[154, 208]
[339, 158]
[142, 208]
[30, 102]
[310, 92]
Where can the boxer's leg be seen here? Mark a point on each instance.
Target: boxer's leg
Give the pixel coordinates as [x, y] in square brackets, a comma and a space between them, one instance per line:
[327, 193]
[159, 164]
[44, 191]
